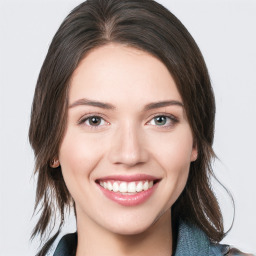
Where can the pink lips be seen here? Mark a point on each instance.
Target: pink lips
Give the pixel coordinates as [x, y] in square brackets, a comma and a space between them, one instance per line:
[129, 199]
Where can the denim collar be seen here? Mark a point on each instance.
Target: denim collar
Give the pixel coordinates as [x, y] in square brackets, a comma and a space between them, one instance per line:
[191, 241]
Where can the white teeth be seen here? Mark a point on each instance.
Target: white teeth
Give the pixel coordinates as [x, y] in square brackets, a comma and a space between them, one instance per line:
[139, 187]
[132, 187]
[115, 187]
[145, 185]
[124, 187]
[110, 187]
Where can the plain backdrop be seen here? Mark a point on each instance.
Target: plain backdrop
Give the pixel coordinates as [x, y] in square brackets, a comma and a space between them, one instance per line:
[225, 31]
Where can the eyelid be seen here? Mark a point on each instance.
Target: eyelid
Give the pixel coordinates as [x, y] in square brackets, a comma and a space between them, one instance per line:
[85, 117]
[172, 117]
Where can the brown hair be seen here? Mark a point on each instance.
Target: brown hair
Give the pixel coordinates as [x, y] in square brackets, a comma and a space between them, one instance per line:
[146, 25]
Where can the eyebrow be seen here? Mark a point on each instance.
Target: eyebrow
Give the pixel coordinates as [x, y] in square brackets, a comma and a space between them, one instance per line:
[87, 102]
[150, 106]
[161, 104]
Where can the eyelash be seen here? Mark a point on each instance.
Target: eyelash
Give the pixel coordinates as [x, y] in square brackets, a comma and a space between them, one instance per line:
[171, 118]
[87, 117]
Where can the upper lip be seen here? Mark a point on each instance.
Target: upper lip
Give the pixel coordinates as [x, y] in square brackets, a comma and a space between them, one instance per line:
[128, 178]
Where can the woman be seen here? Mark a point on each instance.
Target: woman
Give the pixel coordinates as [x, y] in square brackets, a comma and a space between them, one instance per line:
[122, 129]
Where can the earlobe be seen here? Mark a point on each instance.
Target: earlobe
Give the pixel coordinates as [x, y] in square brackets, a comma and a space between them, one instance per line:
[194, 153]
[54, 163]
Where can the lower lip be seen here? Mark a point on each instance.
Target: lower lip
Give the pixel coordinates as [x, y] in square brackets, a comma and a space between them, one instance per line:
[129, 200]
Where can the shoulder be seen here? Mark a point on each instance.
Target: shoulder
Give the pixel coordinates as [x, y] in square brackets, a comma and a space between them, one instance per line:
[192, 239]
[235, 252]
[226, 250]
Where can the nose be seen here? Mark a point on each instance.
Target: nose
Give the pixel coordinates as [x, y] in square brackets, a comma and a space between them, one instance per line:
[128, 146]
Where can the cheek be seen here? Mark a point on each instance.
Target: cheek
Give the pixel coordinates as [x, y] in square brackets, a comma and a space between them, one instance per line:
[177, 166]
[174, 152]
[174, 156]
[78, 155]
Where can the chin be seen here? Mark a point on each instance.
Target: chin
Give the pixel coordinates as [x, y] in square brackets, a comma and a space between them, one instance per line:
[133, 224]
[130, 231]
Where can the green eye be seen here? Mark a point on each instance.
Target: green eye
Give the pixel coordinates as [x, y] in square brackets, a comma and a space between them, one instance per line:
[163, 120]
[160, 120]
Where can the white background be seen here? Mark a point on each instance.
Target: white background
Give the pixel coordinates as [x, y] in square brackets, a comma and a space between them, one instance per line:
[225, 31]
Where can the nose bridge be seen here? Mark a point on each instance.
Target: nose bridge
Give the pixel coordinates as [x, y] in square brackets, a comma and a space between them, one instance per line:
[127, 145]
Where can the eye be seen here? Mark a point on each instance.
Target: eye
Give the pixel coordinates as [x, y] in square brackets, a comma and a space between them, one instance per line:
[93, 121]
[163, 120]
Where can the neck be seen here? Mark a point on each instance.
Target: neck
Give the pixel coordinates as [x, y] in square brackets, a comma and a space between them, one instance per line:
[156, 240]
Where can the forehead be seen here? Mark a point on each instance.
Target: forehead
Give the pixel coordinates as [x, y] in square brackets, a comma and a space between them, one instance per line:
[118, 73]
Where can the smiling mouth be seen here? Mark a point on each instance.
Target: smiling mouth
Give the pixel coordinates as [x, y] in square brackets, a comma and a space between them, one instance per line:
[124, 187]
[128, 190]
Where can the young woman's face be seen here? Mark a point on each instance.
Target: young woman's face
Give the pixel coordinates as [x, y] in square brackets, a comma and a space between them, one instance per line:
[127, 149]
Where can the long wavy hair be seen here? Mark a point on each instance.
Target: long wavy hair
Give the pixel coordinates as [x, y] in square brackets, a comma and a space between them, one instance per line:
[145, 25]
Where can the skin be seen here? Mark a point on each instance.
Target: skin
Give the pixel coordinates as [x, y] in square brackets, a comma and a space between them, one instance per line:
[126, 141]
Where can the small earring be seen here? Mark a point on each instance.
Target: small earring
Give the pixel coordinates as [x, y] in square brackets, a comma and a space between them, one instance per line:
[55, 163]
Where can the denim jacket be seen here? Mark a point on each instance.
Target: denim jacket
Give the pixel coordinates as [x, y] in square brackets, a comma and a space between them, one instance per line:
[191, 241]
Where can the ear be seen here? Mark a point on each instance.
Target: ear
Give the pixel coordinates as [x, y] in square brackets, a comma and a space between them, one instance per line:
[194, 152]
[54, 163]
